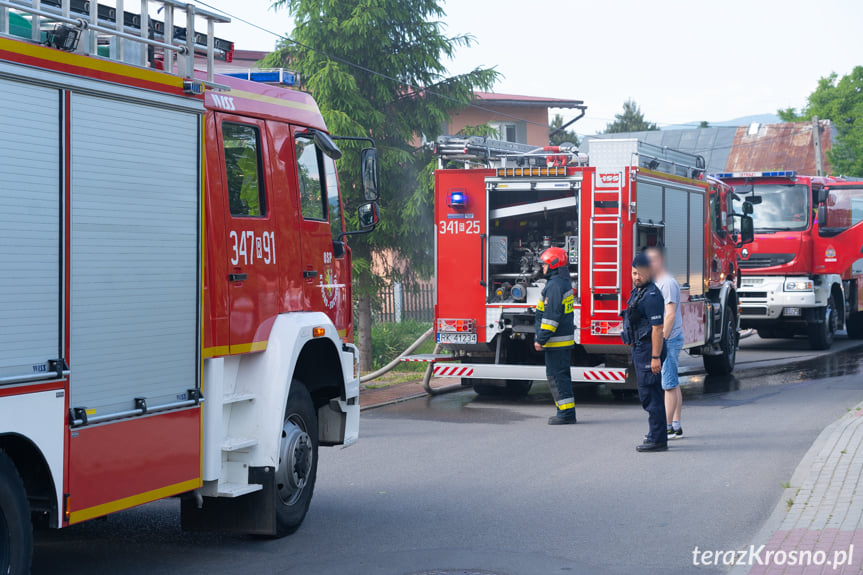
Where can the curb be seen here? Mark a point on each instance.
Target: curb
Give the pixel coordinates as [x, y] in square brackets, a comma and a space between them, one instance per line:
[801, 472]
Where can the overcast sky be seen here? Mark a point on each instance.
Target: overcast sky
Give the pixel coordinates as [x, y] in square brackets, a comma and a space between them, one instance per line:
[682, 61]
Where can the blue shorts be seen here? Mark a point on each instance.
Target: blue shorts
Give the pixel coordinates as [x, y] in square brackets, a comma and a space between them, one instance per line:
[669, 368]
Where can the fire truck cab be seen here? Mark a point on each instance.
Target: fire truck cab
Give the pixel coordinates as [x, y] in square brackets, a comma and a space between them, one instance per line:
[792, 283]
[494, 222]
[176, 297]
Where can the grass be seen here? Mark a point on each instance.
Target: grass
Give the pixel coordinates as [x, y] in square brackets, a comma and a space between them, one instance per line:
[786, 484]
[389, 340]
[789, 502]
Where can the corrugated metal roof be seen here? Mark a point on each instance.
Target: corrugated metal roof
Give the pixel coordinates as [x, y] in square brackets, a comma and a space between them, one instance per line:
[714, 144]
[769, 147]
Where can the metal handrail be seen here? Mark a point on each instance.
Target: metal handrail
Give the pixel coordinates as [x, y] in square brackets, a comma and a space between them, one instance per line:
[137, 412]
[31, 377]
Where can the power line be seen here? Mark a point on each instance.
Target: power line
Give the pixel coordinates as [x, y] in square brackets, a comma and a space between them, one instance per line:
[366, 69]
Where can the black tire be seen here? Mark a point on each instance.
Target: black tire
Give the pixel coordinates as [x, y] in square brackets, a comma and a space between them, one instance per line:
[855, 325]
[724, 364]
[516, 389]
[16, 530]
[821, 334]
[295, 483]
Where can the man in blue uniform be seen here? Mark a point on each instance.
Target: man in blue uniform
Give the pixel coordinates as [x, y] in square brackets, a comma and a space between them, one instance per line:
[642, 329]
[555, 331]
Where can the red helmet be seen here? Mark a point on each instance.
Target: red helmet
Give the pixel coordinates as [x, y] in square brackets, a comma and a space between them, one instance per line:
[554, 258]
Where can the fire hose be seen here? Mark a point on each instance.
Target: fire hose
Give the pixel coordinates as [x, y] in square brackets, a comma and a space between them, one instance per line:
[428, 373]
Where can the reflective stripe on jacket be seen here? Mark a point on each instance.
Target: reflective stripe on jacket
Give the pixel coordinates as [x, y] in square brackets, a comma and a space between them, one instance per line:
[555, 325]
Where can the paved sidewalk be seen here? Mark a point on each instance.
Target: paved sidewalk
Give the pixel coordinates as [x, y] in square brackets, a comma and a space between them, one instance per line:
[820, 516]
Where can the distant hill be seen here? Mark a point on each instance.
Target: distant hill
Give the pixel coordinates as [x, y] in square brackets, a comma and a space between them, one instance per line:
[743, 121]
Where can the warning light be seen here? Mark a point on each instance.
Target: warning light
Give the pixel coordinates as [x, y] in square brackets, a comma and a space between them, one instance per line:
[457, 199]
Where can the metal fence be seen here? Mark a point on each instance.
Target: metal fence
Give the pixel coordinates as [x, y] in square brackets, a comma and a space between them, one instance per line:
[397, 303]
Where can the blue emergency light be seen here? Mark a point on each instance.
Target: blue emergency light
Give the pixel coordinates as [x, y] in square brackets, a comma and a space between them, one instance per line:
[457, 199]
[268, 76]
[731, 175]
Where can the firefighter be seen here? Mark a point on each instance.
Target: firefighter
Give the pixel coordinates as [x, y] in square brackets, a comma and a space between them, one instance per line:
[642, 329]
[555, 331]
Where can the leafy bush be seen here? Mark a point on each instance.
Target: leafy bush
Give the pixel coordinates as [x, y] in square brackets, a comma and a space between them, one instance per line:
[389, 340]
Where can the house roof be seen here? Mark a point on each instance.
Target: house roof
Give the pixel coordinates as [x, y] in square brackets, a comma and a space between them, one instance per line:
[517, 100]
[778, 147]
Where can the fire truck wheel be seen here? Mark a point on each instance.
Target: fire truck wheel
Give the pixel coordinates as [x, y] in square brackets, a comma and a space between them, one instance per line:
[16, 531]
[821, 334]
[510, 389]
[724, 364]
[855, 325]
[298, 460]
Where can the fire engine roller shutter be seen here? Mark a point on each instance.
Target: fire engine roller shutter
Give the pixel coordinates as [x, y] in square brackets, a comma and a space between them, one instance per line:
[676, 234]
[134, 253]
[29, 228]
[696, 243]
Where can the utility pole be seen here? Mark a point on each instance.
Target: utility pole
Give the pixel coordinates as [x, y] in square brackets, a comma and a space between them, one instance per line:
[816, 142]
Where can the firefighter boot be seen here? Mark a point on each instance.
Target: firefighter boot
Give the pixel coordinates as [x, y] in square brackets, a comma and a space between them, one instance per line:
[565, 417]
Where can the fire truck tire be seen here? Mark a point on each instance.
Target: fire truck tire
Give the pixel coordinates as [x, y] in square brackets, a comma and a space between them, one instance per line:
[16, 530]
[855, 325]
[821, 334]
[724, 364]
[511, 389]
[298, 460]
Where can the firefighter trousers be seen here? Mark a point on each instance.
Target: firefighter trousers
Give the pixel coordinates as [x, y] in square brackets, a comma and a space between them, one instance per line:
[557, 362]
[650, 390]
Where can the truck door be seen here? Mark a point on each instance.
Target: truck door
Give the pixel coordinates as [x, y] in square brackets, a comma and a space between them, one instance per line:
[840, 231]
[324, 262]
[251, 233]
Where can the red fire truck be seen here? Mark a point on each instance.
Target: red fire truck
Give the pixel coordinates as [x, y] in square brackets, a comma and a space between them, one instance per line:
[494, 222]
[792, 282]
[175, 306]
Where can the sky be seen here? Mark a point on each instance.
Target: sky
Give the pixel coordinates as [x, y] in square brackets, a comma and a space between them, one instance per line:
[681, 61]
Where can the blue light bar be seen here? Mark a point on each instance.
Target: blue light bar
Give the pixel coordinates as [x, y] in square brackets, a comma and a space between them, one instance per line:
[736, 175]
[268, 76]
[457, 199]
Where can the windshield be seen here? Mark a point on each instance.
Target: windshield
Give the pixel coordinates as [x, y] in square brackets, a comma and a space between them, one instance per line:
[784, 207]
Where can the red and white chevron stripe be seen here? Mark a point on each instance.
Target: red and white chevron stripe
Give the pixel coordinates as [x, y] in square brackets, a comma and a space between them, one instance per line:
[452, 371]
[605, 375]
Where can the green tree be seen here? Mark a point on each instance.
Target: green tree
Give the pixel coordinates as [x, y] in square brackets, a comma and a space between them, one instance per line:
[704, 124]
[409, 96]
[839, 100]
[563, 136]
[631, 120]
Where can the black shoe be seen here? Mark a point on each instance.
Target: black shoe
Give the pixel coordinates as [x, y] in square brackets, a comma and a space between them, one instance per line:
[651, 447]
[676, 433]
[561, 419]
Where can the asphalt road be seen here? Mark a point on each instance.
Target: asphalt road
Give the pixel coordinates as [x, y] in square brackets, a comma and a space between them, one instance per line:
[457, 484]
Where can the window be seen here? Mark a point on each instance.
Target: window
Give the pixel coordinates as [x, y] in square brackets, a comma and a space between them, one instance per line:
[243, 166]
[333, 200]
[506, 131]
[783, 207]
[716, 212]
[311, 178]
[842, 209]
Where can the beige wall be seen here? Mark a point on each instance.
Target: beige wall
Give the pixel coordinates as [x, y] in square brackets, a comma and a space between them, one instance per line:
[537, 135]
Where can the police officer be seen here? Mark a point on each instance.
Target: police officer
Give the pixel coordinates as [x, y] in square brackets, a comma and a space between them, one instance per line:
[554, 332]
[642, 329]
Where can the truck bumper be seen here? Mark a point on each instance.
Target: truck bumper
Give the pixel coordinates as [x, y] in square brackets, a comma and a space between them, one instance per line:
[764, 301]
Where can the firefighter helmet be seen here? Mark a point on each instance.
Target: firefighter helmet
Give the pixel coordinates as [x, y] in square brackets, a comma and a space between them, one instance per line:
[554, 258]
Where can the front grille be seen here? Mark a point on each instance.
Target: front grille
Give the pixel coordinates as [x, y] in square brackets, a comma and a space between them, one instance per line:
[753, 311]
[764, 261]
[752, 294]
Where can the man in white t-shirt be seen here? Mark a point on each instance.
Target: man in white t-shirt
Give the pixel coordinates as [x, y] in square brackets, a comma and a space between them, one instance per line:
[672, 330]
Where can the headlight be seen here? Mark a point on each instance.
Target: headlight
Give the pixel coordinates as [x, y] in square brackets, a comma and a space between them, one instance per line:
[798, 285]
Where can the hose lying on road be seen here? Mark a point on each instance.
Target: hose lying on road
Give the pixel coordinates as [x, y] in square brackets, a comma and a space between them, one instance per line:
[389, 367]
[427, 379]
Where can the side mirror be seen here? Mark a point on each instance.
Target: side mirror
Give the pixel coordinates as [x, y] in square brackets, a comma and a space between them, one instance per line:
[369, 161]
[327, 145]
[754, 200]
[747, 208]
[368, 215]
[821, 195]
[747, 230]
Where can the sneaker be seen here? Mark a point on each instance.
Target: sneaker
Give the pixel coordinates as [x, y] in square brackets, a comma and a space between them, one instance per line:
[676, 433]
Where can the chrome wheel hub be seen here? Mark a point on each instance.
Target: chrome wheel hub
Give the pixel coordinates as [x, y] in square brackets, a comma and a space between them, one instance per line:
[295, 461]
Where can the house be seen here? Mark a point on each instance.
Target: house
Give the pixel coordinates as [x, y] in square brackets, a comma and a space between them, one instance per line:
[756, 147]
[521, 119]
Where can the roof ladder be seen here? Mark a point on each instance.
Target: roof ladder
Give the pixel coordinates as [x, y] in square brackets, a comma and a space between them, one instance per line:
[133, 38]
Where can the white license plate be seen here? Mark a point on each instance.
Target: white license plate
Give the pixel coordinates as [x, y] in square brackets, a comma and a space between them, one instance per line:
[466, 338]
